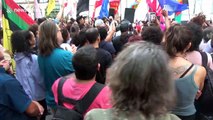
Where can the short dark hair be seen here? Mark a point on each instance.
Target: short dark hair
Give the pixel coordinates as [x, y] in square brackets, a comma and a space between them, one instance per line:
[177, 39]
[82, 37]
[40, 20]
[125, 26]
[197, 35]
[152, 34]
[103, 33]
[64, 33]
[138, 81]
[20, 41]
[199, 19]
[85, 63]
[208, 34]
[92, 35]
[34, 28]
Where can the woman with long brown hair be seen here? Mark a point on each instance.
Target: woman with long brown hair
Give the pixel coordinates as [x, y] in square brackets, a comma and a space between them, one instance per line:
[54, 62]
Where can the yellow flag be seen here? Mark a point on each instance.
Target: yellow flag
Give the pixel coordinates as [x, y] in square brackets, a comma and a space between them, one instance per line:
[50, 6]
[6, 34]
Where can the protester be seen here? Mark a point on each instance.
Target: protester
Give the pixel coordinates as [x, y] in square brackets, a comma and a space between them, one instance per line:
[137, 93]
[82, 38]
[66, 41]
[103, 44]
[27, 70]
[53, 61]
[34, 29]
[207, 41]
[81, 22]
[74, 31]
[15, 104]
[104, 57]
[120, 41]
[193, 55]
[77, 85]
[189, 78]
[152, 34]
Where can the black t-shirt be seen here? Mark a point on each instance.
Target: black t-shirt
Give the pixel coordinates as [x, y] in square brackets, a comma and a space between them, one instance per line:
[108, 46]
[120, 41]
[105, 60]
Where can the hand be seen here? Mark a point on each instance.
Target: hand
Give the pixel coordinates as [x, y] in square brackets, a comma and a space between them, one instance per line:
[199, 93]
[164, 13]
[74, 48]
[112, 26]
[41, 109]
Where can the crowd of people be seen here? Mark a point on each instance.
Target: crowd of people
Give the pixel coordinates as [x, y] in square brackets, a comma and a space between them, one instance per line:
[152, 71]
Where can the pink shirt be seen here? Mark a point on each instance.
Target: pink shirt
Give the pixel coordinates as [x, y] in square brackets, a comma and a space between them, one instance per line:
[75, 90]
[195, 58]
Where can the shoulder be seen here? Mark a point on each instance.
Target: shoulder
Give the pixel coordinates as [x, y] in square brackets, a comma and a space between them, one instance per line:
[55, 85]
[105, 90]
[11, 82]
[117, 38]
[201, 71]
[169, 117]
[60, 54]
[102, 51]
[173, 117]
[98, 114]
[105, 93]
[200, 75]
[61, 51]
[5, 78]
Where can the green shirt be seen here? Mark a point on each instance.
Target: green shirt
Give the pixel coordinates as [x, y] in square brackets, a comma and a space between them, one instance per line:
[52, 67]
[109, 114]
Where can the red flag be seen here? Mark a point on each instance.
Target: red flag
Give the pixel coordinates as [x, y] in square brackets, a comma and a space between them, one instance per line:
[97, 4]
[154, 6]
[114, 4]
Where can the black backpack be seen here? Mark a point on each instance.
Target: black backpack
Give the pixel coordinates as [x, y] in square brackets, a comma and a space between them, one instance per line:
[80, 106]
[204, 105]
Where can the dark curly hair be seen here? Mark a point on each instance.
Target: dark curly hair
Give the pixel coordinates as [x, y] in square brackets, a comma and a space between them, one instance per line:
[199, 19]
[20, 41]
[197, 35]
[152, 34]
[138, 81]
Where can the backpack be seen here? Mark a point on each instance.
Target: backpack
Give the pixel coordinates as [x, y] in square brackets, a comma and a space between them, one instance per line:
[204, 104]
[80, 106]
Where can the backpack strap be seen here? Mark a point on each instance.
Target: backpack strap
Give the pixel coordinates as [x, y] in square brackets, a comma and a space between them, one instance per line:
[187, 71]
[61, 97]
[204, 59]
[83, 104]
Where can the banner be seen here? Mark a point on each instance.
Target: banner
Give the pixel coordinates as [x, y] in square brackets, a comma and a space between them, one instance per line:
[14, 18]
[50, 6]
[114, 5]
[82, 6]
[37, 13]
[172, 6]
[104, 9]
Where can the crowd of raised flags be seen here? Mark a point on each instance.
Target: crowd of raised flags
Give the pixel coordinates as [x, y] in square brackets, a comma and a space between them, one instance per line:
[76, 7]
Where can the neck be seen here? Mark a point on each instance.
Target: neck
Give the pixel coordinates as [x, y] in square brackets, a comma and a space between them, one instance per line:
[95, 45]
[85, 81]
[182, 55]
